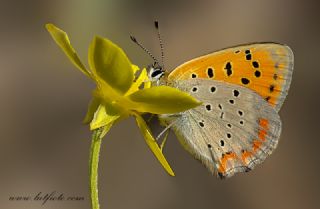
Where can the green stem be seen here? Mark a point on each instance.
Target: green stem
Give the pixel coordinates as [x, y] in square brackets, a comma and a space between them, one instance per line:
[93, 167]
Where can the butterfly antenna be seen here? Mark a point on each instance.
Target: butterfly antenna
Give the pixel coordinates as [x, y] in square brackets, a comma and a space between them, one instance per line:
[143, 48]
[156, 24]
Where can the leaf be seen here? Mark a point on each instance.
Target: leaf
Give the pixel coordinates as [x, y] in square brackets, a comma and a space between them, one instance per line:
[162, 100]
[110, 63]
[62, 40]
[153, 145]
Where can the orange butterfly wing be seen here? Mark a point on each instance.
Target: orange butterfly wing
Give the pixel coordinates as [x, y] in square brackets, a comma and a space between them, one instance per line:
[265, 68]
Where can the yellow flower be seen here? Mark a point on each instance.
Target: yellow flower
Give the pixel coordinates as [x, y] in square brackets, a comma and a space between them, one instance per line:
[118, 94]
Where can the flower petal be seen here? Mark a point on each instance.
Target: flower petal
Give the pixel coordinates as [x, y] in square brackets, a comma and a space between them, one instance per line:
[102, 118]
[116, 102]
[61, 38]
[162, 100]
[110, 63]
[135, 68]
[135, 86]
[153, 144]
[147, 85]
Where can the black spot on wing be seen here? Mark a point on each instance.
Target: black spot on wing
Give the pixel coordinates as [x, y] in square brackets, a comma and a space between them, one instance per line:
[257, 73]
[248, 57]
[210, 73]
[271, 88]
[248, 54]
[221, 143]
[221, 175]
[255, 64]
[236, 93]
[228, 67]
[208, 107]
[245, 81]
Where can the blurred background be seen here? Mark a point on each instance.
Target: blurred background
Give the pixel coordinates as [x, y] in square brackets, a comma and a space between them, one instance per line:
[44, 147]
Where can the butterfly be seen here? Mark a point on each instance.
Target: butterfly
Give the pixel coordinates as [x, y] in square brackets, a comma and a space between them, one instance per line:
[242, 89]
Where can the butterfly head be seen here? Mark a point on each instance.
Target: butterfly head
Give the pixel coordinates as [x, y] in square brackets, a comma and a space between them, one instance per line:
[155, 72]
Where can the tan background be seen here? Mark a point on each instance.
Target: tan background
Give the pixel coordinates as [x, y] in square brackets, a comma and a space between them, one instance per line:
[44, 147]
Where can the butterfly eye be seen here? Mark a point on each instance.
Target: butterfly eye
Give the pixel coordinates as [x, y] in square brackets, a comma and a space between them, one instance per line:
[155, 73]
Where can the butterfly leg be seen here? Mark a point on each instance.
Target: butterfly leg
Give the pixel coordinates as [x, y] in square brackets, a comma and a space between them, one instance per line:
[164, 140]
[165, 130]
